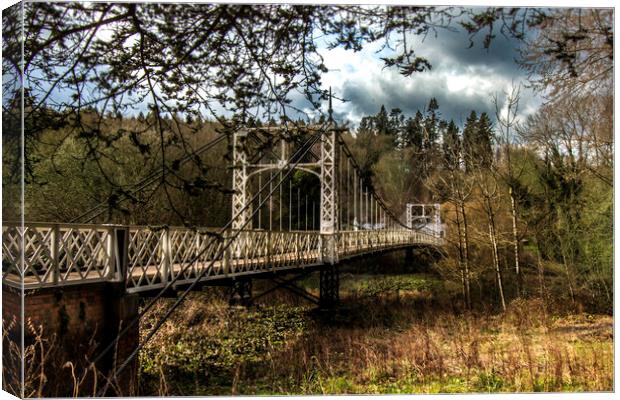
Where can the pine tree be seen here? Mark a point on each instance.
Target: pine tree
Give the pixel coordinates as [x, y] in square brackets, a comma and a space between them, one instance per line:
[484, 138]
[469, 140]
[451, 146]
[413, 133]
[431, 124]
[382, 122]
[366, 125]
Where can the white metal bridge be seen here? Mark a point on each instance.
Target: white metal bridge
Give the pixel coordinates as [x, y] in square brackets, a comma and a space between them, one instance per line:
[264, 234]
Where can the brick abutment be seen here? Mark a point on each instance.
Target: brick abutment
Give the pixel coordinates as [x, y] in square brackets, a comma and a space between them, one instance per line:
[65, 329]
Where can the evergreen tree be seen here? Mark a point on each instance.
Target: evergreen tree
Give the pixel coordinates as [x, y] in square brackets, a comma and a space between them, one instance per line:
[431, 124]
[382, 122]
[469, 140]
[451, 146]
[366, 125]
[484, 137]
[413, 133]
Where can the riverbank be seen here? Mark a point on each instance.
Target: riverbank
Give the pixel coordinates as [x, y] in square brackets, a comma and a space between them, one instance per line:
[392, 334]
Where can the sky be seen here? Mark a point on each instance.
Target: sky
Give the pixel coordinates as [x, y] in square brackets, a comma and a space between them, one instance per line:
[462, 78]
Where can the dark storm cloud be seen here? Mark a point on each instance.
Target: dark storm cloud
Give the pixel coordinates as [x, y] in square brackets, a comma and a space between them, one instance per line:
[462, 78]
[450, 49]
[367, 99]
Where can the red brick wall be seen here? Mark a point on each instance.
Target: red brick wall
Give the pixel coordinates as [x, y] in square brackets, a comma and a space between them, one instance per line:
[82, 320]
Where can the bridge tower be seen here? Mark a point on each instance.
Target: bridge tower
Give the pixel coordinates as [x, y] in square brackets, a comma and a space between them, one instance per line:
[328, 213]
[241, 197]
[329, 197]
[428, 211]
[329, 278]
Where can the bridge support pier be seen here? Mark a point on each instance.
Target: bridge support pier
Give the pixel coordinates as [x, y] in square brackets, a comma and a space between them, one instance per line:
[329, 286]
[241, 292]
[76, 323]
[408, 258]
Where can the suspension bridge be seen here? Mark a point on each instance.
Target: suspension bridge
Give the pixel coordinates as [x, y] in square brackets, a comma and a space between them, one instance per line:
[352, 221]
[93, 272]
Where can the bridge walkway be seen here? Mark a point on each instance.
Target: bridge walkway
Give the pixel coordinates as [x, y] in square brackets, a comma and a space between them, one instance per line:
[147, 258]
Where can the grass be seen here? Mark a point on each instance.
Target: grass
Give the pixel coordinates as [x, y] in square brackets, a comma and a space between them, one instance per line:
[389, 336]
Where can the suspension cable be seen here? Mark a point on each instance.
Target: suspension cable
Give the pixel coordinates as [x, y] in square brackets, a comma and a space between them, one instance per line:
[301, 151]
[148, 180]
[348, 153]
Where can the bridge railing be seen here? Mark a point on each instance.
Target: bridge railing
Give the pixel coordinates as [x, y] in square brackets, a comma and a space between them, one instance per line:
[361, 241]
[57, 254]
[147, 258]
[156, 256]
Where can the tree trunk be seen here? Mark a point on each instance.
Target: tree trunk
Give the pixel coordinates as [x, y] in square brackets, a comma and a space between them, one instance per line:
[566, 270]
[541, 273]
[515, 239]
[541, 281]
[466, 253]
[463, 265]
[493, 239]
[460, 248]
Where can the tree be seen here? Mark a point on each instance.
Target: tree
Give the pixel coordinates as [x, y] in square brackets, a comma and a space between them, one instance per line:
[382, 122]
[396, 123]
[483, 140]
[491, 198]
[451, 146]
[566, 50]
[431, 124]
[511, 170]
[187, 60]
[573, 54]
[573, 183]
[413, 134]
[469, 140]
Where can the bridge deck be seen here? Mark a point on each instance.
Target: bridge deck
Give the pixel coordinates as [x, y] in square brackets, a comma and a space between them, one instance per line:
[69, 254]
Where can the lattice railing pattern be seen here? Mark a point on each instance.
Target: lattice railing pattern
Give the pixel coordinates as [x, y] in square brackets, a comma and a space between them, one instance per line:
[146, 265]
[60, 254]
[56, 254]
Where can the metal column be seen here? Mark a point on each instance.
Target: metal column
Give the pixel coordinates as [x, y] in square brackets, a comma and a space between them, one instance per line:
[329, 197]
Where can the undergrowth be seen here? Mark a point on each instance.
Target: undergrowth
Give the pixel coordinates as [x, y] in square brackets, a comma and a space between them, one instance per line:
[390, 335]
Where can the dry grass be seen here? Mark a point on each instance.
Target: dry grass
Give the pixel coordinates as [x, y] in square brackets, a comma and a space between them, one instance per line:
[390, 343]
[456, 353]
[52, 366]
[35, 357]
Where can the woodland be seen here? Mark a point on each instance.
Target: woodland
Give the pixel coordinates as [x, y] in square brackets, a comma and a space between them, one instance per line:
[118, 99]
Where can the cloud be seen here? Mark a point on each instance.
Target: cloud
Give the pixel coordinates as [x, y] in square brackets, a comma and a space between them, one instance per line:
[461, 79]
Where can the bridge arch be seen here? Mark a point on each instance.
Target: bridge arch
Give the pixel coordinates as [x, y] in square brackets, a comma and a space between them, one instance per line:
[275, 168]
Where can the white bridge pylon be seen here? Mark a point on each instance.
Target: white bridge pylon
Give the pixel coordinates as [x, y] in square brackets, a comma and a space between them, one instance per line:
[325, 169]
[425, 217]
[346, 203]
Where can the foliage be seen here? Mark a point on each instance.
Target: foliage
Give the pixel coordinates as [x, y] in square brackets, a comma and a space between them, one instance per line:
[406, 345]
[84, 62]
[214, 344]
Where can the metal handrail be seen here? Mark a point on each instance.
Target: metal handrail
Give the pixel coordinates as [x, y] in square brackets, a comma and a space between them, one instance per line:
[58, 254]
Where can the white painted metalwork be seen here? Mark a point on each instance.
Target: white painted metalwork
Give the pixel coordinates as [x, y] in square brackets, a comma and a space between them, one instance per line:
[429, 220]
[240, 196]
[329, 197]
[88, 253]
[63, 254]
[57, 254]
